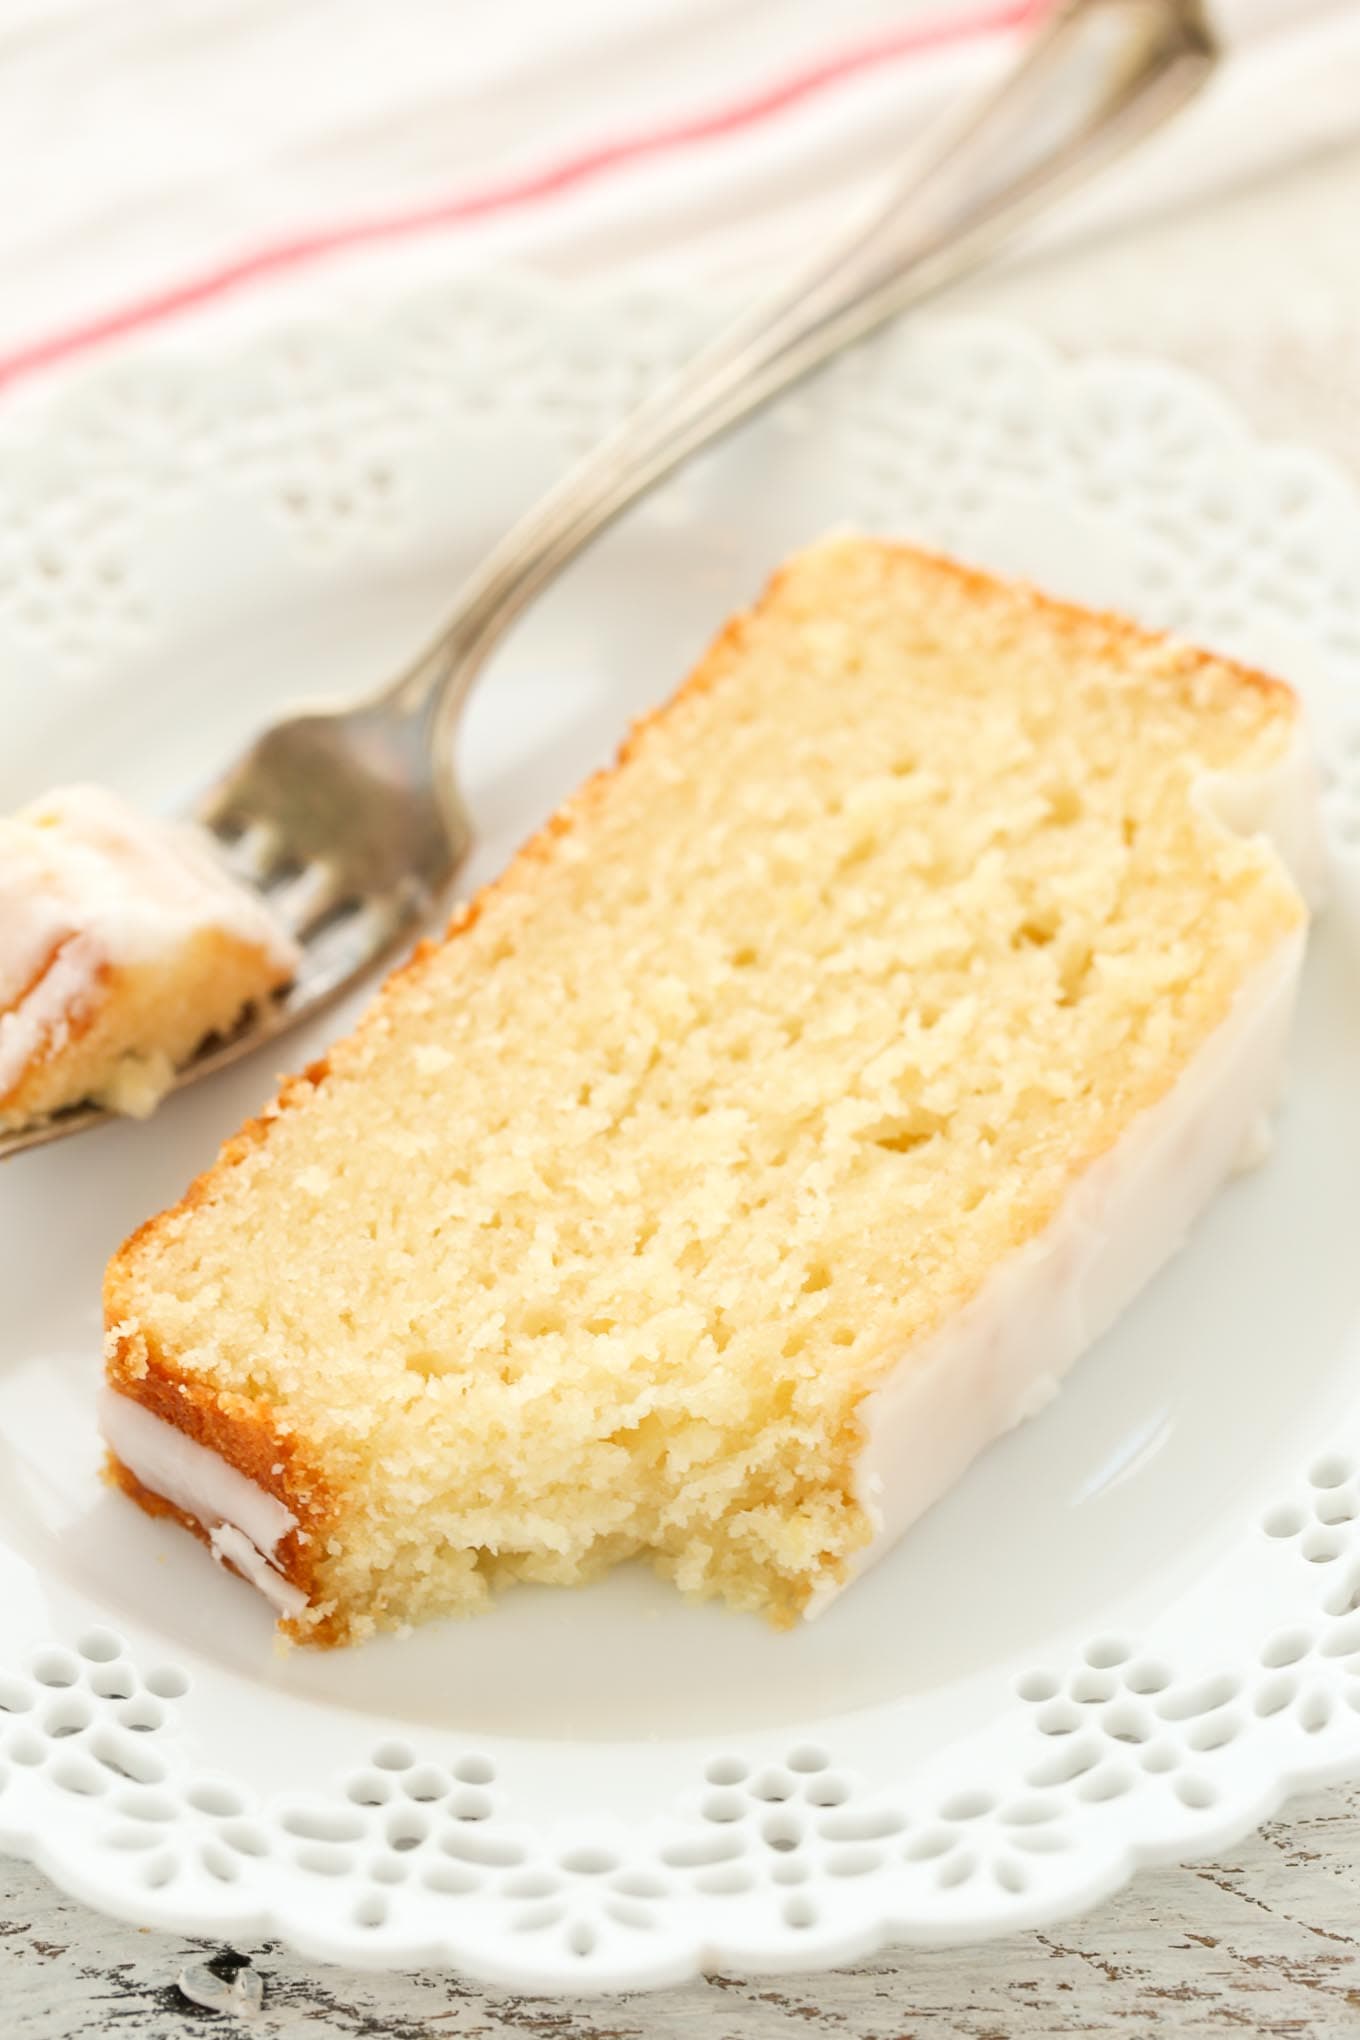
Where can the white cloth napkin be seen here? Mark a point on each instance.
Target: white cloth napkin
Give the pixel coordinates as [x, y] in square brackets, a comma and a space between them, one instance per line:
[205, 162]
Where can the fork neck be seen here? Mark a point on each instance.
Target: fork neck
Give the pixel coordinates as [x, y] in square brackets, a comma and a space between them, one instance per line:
[1094, 78]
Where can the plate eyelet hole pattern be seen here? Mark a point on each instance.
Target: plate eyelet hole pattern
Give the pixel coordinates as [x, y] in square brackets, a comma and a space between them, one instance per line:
[323, 1859]
[113, 1682]
[474, 1770]
[1331, 1471]
[56, 1668]
[726, 1880]
[127, 1759]
[1202, 1697]
[67, 1717]
[77, 1774]
[99, 1646]
[425, 1785]
[700, 1852]
[1342, 1639]
[862, 1824]
[930, 1843]
[968, 1806]
[1067, 1764]
[246, 1837]
[723, 1806]
[220, 1863]
[394, 1756]
[1213, 1731]
[368, 1789]
[1126, 1722]
[1036, 1686]
[452, 1879]
[155, 1807]
[1110, 1781]
[589, 1863]
[1288, 1648]
[1275, 1694]
[96, 1742]
[808, 1757]
[956, 1869]
[222, 1802]
[1148, 1675]
[406, 1830]
[800, 1912]
[141, 1715]
[322, 1824]
[167, 1682]
[471, 1805]
[1314, 1712]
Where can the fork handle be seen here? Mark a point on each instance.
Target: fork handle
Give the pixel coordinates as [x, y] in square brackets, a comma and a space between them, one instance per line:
[1095, 77]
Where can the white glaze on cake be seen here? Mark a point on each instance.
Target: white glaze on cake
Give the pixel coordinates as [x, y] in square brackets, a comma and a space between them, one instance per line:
[41, 1013]
[86, 884]
[231, 1546]
[245, 1523]
[999, 1362]
[1002, 1358]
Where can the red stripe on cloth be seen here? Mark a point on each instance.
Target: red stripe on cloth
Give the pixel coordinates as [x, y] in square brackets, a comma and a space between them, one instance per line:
[282, 257]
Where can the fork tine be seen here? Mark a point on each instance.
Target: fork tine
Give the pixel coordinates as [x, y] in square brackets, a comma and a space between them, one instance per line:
[220, 809]
[255, 855]
[305, 901]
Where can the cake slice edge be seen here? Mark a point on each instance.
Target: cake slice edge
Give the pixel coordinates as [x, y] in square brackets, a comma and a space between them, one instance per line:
[1004, 1357]
[1279, 803]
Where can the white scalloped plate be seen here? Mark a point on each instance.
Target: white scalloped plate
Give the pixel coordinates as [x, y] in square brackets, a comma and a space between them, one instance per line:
[1125, 1635]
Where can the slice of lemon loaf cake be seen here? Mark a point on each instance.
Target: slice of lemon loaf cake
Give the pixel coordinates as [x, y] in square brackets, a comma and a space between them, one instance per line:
[123, 946]
[773, 1134]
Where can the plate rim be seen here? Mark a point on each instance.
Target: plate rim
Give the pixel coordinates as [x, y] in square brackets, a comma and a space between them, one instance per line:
[580, 1948]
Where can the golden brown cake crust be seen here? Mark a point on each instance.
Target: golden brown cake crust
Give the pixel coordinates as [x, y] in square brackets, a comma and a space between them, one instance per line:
[246, 1435]
[292, 1563]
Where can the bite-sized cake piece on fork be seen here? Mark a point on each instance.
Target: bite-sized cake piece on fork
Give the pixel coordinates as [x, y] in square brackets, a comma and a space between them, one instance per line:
[123, 946]
[776, 1132]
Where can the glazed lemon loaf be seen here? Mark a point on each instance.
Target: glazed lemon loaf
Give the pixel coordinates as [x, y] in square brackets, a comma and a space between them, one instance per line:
[772, 1135]
[123, 946]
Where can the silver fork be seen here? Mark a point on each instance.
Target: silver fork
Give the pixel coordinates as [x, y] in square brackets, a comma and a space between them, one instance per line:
[349, 818]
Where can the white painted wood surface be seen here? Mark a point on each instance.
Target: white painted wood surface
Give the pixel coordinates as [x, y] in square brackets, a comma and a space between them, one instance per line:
[1263, 294]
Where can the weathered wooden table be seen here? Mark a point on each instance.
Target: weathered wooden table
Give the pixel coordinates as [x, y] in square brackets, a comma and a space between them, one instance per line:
[1267, 1943]
[1262, 292]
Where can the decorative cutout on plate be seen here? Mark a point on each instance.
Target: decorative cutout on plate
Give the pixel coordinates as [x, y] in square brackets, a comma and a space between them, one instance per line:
[417, 1848]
